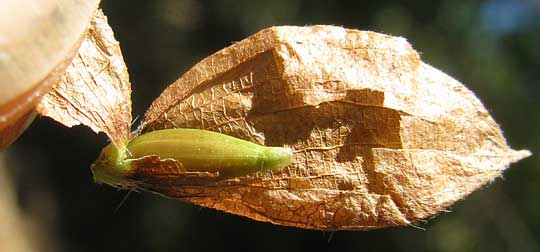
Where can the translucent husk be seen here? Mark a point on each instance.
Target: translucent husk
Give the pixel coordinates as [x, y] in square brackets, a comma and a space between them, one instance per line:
[379, 137]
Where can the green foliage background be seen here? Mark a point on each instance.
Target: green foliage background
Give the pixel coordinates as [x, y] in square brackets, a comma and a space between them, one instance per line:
[492, 46]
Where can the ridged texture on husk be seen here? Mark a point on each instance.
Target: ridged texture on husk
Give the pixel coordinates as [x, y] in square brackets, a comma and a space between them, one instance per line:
[380, 138]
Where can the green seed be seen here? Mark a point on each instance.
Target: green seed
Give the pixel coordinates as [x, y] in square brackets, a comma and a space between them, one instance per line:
[196, 150]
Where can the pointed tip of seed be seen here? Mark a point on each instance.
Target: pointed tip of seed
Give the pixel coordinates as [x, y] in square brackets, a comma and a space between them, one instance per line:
[277, 158]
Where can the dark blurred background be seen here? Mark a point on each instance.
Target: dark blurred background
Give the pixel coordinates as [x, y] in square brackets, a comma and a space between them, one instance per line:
[493, 47]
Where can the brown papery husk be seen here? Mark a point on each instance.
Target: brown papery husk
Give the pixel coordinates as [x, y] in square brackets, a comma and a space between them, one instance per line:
[95, 90]
[380, 138]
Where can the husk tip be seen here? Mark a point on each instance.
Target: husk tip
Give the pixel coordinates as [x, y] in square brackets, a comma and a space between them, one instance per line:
[519, 155]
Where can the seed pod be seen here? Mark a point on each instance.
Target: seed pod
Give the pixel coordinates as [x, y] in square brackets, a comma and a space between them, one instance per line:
[194, 151]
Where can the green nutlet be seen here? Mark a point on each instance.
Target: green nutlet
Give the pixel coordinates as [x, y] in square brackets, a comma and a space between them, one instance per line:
[196, 150]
